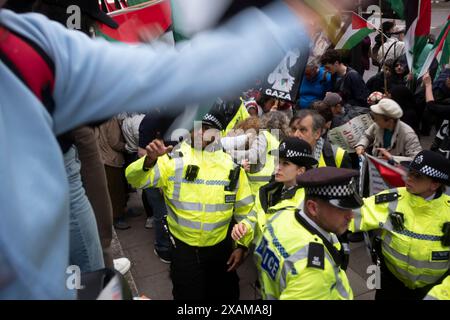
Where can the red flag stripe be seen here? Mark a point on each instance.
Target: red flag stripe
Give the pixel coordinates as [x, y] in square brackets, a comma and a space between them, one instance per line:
[424, 22]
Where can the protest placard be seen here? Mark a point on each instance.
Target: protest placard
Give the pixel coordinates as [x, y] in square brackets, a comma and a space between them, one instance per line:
[348, 135]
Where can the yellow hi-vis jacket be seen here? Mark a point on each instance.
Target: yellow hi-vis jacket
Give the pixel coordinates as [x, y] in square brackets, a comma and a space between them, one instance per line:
[333, 156]
[240, 115]
[199, 211]
[414, 254]
[265, 208]
[440, 291]
[294, 264]
[262, 177]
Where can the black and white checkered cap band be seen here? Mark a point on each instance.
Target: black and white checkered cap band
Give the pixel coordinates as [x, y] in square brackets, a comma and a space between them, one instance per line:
[330, 191]
[296, 154]
[210, 117]
[433, 173]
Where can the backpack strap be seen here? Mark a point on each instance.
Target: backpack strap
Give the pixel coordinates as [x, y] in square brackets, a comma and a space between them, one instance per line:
[30, 64]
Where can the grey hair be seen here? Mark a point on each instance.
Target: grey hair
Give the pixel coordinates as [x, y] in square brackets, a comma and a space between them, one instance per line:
[312, 62]
[317, 119]
[276, 120]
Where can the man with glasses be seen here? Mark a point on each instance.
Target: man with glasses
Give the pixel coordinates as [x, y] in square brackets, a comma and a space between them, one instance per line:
[414, 248]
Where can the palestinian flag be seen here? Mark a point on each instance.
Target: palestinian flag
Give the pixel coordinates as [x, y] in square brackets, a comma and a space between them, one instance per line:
[440, 50]
[418, 20]
[139, 14]
[383, 176]
[398, 6]
[355, 33]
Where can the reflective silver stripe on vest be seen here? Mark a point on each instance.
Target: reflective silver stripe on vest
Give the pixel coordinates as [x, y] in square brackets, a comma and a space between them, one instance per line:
[196, 206]
[218, 207]
[413, 277]
[289, 263]
[183, 222]
[196, 225]
[217, 225]
[428, 297]
[438, 265]
[270, 297]
[244, 202]
[259, 178]
[242, 217]
[388, 223]
[189, 206]
[178, 178]
[357, 219]
[157, 175]
[339, 285]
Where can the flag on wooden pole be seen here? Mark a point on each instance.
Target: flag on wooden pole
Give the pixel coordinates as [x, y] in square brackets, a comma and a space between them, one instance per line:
[355, 33]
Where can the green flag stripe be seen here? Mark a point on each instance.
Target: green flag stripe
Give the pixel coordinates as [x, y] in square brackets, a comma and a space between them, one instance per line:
[99, 33]
[357, 38]
[398, 7]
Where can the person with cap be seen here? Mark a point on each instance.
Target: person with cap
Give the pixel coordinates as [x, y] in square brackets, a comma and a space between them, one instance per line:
[294, 158]
[341, 113]
[232, 111]
[309, 126]
[391, 138]
[87, 81]
[203, 190]
[413, 251]
[299, 255]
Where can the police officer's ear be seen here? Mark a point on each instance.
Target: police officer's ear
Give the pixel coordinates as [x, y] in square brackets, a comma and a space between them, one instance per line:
[436, 186]
[311, 207]
[300, 170]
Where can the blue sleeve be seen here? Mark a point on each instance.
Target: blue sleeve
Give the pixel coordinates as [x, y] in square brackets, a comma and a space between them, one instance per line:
[96, 79]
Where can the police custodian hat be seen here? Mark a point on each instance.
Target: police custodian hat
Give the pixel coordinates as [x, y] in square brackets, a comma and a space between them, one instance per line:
[335, 185]
[432, 165]
[297, 151]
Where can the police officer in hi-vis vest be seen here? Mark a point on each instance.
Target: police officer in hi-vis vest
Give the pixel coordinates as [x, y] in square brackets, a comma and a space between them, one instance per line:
[299, 255]
[414, 247]
[203, 190]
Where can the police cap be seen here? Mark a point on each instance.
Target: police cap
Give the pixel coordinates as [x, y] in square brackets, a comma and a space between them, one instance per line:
[297, 151]
[335, 185]
[433, 165]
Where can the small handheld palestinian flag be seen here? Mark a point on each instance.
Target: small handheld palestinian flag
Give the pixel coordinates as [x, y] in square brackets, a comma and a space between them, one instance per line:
[440, 50]
[355, 33]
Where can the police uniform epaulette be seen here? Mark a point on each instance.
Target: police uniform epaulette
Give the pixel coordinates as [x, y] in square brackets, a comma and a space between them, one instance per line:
[386, 197]
[175, 154]
[316, 256]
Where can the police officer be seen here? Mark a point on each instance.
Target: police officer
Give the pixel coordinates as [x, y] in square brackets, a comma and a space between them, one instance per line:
[440, 291]
[299, 255]
[203, 190]
[414, 247]
[231, 111]
[295, 157]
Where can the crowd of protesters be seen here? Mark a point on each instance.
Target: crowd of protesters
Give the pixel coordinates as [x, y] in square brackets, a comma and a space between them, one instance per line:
[252, 125]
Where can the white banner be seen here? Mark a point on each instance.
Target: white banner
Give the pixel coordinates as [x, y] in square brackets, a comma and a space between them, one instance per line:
[348, 135]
